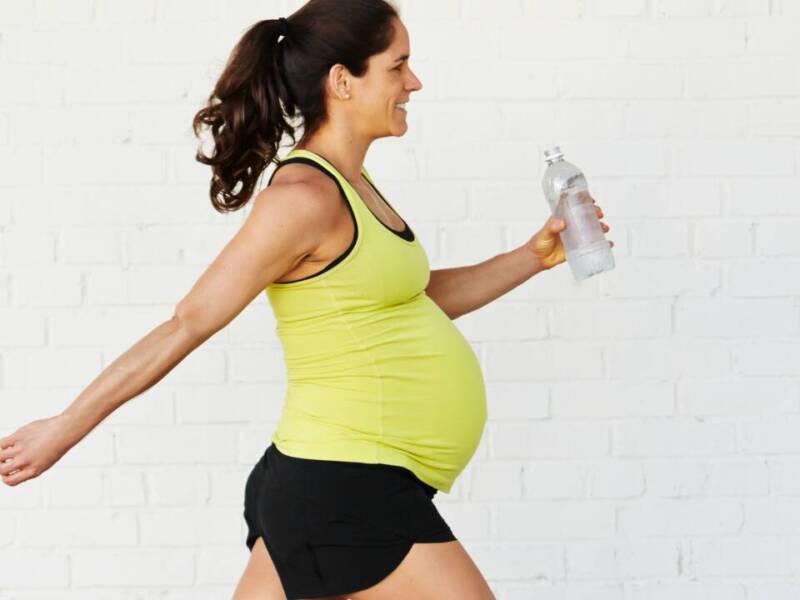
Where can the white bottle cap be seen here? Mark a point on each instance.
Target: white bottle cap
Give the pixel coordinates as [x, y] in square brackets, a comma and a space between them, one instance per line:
[553, 153]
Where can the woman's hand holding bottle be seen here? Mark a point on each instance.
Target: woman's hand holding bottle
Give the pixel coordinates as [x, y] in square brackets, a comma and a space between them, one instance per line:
[546, 244]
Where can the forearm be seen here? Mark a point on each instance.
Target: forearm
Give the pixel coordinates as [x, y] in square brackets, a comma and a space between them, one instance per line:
[133, 372]
[461, 290]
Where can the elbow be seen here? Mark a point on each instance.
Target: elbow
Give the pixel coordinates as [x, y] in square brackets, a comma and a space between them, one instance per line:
[189, 326]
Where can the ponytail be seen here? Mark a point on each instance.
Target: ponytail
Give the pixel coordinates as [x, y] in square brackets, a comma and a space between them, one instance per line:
[276, 73]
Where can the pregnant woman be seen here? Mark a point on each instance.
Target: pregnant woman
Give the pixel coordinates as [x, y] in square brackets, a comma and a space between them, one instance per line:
[385, 403]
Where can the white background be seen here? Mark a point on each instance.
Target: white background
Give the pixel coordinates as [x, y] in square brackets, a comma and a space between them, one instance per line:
[644, 432]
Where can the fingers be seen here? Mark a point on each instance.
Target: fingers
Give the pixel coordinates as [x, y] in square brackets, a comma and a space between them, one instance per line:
[17, 477]
[600, 215]
[9, 466]
[559, 224]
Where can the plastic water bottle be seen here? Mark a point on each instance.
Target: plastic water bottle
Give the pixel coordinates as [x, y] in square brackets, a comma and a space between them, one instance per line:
[587, 250]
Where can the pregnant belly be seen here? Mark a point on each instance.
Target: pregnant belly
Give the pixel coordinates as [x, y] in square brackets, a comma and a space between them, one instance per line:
[406, 379]
[441, 405]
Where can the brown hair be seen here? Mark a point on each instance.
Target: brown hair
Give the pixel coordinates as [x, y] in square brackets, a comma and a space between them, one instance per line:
[266, 80]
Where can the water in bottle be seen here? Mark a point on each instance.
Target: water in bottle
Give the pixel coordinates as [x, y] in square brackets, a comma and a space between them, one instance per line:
[587, 250]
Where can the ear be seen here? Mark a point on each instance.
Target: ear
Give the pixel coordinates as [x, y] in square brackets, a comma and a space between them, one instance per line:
[338, 82]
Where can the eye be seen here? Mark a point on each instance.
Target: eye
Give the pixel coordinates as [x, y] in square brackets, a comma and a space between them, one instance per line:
[400, 68]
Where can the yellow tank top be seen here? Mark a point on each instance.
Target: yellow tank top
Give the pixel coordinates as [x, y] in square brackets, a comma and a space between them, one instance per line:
[377, 372]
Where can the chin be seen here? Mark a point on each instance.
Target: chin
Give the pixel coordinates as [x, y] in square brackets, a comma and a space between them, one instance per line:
[396, 132]
[401, 131]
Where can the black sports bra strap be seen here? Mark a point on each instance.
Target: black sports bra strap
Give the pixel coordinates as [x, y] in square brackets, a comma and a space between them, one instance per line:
[341, 257]
[407, 233]
[305, 161]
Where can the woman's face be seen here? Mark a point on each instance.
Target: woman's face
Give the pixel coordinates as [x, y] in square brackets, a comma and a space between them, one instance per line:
[389, 81]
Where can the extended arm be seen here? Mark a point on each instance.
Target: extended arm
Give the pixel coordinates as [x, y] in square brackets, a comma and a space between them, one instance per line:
[132, 373]
[464, 289]
[282, 227]
[285, 224]
[461, 290]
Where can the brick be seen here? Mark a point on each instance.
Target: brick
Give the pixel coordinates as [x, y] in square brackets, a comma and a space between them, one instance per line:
[555, 520]
[697, 517]
[673, 439]
[554, 480]
[628, 560]
[496, 480]
[132, 568]
[745, 318]
[722, 240]
[744, 556]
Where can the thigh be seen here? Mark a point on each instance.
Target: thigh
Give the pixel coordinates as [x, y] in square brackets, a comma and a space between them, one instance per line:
[431, 571]
[260, 580]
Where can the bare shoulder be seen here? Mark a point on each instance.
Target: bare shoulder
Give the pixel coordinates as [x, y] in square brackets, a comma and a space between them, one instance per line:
[293, 173]
[288, 221]
[301, 192]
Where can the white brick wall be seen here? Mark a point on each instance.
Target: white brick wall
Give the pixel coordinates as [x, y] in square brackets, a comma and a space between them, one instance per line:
[644, 424]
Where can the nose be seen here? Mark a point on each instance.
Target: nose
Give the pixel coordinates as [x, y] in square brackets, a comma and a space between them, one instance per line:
[416, 83]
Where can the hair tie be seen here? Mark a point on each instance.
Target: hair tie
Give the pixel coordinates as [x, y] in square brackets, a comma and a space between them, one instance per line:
[283, 26]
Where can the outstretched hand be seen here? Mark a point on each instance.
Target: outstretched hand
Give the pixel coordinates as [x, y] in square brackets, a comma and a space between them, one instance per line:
[33, 448]
[546, 244]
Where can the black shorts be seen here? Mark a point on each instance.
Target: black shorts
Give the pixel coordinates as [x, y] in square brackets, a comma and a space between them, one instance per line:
[333, 527]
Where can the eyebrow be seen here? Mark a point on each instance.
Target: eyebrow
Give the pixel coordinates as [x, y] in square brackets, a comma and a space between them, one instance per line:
[402, 58]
